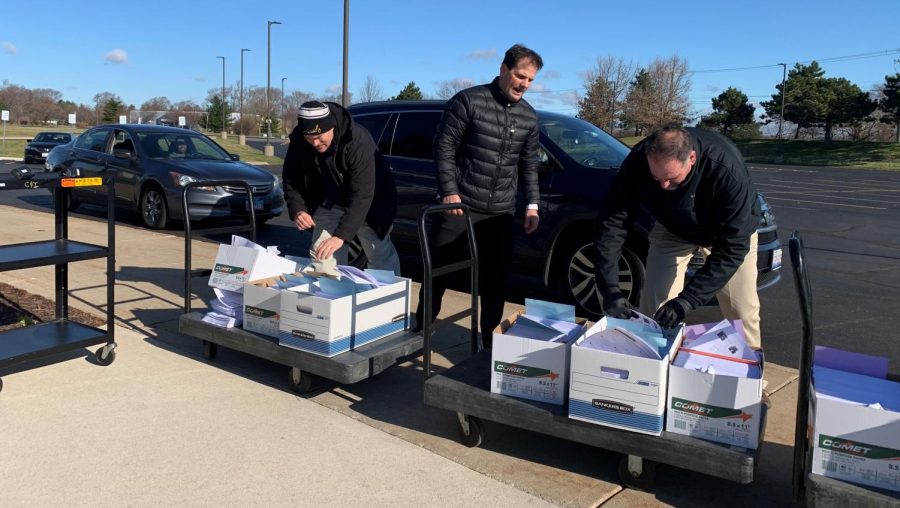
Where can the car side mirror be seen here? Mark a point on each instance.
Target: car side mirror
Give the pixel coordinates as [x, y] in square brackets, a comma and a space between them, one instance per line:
[29, 140]
[235, 157]
[122, 154]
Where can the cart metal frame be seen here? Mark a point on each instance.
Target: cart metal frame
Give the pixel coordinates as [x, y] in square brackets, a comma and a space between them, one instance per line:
[346, 368]
[812, 489]
[465, 390]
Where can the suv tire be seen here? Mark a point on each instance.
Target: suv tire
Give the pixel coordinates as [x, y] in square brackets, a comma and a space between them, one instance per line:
[577, 280]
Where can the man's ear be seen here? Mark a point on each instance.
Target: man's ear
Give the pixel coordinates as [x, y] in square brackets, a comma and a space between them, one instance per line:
[692, 158]
[503, 69]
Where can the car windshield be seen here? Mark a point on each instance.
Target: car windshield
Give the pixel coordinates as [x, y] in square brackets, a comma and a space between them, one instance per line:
[52, 137]
[165, 145]
[584, 142]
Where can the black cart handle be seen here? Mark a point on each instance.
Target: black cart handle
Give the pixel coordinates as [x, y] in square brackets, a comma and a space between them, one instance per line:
[430, 272]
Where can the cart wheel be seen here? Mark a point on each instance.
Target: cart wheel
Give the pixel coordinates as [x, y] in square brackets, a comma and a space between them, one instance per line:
[209, 350]
[1, 385]
[300, 380]
[642, 481]
[105, 355]
[475, 434]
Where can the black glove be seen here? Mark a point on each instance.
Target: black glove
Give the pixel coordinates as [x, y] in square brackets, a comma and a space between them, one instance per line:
[672, 313]
[616, 306]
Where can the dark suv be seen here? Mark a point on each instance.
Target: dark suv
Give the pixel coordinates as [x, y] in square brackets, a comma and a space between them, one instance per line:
[578, 164]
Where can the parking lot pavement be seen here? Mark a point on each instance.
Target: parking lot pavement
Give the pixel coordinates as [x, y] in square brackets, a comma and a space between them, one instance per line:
[163, 426]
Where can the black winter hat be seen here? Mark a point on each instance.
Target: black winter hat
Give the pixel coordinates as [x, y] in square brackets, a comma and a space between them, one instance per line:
[315, 118]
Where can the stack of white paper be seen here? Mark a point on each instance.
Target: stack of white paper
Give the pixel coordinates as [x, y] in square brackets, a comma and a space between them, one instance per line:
[546, 321]
[722, 350]
[227, 308]
[639, 336]
[856, 389]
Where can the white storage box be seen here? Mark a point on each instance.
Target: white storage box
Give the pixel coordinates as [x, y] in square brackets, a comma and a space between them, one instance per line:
[530, 368]
[331, 326]
[716, 407]
[851, 440]
[619, 390]
[262, 307]
[237, 265]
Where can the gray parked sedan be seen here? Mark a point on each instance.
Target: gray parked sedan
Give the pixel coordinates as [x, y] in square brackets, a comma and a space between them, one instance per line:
[153, 163]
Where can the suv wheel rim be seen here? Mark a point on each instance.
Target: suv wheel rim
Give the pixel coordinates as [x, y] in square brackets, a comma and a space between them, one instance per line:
[582, 283]
[152, 207]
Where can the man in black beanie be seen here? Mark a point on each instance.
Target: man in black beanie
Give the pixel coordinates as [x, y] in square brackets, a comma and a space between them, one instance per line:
[338, 184]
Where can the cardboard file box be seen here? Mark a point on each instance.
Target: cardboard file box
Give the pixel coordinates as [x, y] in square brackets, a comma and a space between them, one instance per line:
[528, 368]
[328, 327]
[262, 307]
[619, 390]
[852, 441]
[235, 266]
[719, 408]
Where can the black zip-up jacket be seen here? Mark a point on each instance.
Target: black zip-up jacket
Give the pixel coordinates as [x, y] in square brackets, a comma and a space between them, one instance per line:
[482, 146]
[715, 207]
[351, 174]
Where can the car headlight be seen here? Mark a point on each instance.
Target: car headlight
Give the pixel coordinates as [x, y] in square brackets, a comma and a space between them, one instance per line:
[277, 183]
[182, 180]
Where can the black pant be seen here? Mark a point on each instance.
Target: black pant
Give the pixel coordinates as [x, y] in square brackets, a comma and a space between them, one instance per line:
[449, 243]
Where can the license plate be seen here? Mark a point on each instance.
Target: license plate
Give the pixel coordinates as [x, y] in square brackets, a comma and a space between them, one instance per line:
[776, 259]
[45, 154]
[257, 204]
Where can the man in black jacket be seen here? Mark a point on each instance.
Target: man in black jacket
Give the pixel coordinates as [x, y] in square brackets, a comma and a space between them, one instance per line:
[338, 184]
[695, 184]
[487, 140]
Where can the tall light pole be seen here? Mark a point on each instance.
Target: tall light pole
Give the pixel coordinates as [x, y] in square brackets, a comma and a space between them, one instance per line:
[781, 118]
[223, 96]
[242, 139]
[282, 106]
[345, 98]
[269, 150]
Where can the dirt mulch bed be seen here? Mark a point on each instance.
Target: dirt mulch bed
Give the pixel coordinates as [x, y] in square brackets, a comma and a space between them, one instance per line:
[20, 308]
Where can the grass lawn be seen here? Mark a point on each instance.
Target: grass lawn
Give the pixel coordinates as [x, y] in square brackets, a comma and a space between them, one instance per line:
[16, 147]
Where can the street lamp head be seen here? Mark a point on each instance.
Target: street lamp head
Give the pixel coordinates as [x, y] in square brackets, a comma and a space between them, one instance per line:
[274, 23]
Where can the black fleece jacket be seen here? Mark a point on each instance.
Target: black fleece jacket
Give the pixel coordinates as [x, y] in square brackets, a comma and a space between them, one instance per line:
[484, 143]
[351, 174]
[715, 207]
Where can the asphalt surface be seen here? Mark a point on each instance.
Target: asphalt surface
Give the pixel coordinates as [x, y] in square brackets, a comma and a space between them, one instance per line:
[848, 220]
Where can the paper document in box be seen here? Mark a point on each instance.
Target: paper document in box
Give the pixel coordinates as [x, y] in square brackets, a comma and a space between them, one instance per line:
[724, 340]
[621, 341]
[717, 366]
[856, 389]
[546, 321]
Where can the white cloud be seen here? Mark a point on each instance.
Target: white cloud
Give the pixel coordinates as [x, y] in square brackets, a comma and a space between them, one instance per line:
[116, 56]
[201, 79]
[551, 74]
[538, 87]
[568, 98]
[483, 54]
[9, 47]
[334, 89]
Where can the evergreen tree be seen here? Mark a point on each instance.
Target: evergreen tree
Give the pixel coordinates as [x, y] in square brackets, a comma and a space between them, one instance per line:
[112, 109]
[846, 103]
[216, 110]
[411, 93]
[730, 108]
[890, 103]
[598, 106]
[805, 98]
[637, 112]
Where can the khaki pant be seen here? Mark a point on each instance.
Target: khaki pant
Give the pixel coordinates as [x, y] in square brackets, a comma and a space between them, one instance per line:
[667, 262]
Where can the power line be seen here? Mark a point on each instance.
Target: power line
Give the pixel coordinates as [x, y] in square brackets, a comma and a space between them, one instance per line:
[858, 56]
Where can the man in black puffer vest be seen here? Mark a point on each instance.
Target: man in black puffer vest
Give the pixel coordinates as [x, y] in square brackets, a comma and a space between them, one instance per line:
[487, 140]
[337, 183]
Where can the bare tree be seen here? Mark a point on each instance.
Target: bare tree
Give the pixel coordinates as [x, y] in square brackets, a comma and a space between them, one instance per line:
[607, 86]
[371, 91]
[669, 91]
[449, 88]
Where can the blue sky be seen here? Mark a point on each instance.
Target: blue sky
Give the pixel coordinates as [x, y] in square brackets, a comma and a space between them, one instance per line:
[140, 50]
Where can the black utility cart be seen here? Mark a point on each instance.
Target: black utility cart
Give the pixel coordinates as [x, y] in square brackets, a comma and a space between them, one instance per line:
[465, 390]
[813, 489]
[346, 368]
[50, 338]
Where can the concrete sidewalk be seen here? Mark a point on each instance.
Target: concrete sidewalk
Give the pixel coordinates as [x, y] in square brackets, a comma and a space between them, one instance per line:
[162, 426]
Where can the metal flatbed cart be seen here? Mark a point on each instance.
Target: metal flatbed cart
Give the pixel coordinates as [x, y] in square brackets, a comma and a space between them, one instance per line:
[61, 334]
[346, 368]
[465, 390]
[813, 489]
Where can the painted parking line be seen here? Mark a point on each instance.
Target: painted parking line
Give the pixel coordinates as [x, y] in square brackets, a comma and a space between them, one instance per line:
[793, 200]
[829, 194]
[801, 185]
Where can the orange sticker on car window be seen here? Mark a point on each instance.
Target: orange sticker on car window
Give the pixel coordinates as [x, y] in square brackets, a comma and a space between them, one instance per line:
[80, 182]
